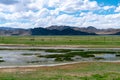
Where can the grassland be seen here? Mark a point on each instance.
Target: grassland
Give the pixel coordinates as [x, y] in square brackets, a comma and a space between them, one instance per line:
[70, 41]
[79, 71]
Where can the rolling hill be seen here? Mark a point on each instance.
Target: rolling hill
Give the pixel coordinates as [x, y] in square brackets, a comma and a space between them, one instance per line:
[58, 30]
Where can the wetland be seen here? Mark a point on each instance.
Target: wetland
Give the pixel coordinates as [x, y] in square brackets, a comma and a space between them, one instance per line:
[44, 56]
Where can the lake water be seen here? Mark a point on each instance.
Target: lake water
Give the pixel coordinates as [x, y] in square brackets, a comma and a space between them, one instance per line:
[16, 57]
[29, 57]
[110, 57]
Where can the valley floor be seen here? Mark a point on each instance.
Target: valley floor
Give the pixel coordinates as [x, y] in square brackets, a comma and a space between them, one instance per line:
[62, 41]
[77, 71]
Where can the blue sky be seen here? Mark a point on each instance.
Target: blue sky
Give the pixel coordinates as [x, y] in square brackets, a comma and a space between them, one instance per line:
[44, 13]
[108, 2]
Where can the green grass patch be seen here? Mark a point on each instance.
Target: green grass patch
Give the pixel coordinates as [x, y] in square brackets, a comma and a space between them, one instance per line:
[80, 71]
[84, 54]
[27, 54]
[105, 76]
[58, 50]
[2, 61]
[1, 57]
[82, 41]
[60, 59]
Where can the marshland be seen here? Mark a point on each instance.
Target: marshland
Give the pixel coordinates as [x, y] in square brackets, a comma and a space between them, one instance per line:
[60, 57]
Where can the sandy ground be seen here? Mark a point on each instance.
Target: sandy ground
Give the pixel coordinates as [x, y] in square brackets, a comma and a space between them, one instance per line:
[2, 46]
[31, 67]
[58, 46]
[36, 67]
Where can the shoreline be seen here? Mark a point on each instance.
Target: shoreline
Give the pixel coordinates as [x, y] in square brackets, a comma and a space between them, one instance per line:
[19, 47]
[60, 46]
[52, 47]
[55, 65]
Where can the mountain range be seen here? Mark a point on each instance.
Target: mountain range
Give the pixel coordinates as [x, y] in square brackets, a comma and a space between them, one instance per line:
[58, 30]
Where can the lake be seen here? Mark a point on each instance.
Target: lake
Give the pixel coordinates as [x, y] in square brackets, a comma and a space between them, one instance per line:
[40, 57]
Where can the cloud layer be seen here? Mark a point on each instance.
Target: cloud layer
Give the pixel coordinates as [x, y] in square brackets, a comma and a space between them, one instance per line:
[43, 13]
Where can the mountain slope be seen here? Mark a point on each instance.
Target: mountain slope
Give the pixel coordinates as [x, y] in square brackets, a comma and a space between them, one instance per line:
[8, 31]
[55, 27]
[68, 31]
[118, 33]
[58, 30]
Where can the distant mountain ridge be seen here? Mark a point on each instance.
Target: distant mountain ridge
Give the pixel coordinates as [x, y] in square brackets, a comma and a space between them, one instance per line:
[6, 28]
[100, 31]
[8, 31]
[89, 29]
[58, 30]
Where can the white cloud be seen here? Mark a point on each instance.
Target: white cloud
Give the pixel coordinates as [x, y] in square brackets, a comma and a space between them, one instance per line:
[43, 22]
[17, 25]
[75, 5]
[8, 8]
[54, 3]
[43, 13]
[37, 4]
[117, 9]
[66, 20]
[108, 7]
[103, 21]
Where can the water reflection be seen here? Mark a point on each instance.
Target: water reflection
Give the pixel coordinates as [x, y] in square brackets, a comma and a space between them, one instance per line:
[28, 57]
[16, 57]
[105, 56]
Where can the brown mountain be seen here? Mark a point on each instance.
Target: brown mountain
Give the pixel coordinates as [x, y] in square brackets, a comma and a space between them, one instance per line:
[58, 30]
[92, 29]
[7, 31]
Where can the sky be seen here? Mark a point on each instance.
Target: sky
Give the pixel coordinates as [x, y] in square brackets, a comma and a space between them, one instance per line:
[44, 13]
